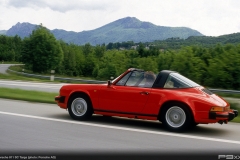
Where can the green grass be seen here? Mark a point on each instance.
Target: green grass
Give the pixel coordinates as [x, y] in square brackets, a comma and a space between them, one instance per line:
[236, 107]
[10, 62]
[13, 76]
[228, 95]
[236, 119]
[18, 68]
[26, 95]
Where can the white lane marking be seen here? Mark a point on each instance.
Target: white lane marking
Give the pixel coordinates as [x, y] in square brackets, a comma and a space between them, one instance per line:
[123, 128]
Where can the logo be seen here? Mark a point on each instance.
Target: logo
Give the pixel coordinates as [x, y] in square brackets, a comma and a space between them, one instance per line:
[228, 156]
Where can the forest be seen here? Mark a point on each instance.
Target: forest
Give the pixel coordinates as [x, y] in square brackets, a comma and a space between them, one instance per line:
[216, 65]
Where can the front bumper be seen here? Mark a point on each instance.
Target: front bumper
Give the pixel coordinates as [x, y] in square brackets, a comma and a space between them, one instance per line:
[226, 116]
[60, 99]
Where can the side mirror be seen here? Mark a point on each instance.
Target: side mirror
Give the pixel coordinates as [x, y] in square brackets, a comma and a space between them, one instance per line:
[109, 82]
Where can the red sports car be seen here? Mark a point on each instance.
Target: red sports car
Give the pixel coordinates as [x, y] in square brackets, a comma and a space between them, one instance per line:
[169, 97]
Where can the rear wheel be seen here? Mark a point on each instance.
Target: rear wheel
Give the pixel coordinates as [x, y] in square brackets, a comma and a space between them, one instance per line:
[80, 107]
[176, 117]
[194, 124]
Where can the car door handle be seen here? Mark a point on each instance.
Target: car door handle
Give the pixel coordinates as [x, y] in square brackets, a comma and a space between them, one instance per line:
[146, 93]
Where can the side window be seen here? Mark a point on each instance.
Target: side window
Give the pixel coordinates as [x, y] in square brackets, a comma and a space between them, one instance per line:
[175, 82]
[169, 83]
[150, 77]
[135, 78]
[123, 80]
[138, 78]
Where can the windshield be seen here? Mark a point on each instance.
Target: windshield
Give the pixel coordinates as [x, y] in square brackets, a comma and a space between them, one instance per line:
[117, 78]
[175, 80]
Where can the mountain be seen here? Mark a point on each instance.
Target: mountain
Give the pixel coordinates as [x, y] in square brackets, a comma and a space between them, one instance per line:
[21, 29]
[3, 32]
[125, 29]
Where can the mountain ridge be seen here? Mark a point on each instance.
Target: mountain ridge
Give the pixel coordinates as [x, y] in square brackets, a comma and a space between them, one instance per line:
[125, 29]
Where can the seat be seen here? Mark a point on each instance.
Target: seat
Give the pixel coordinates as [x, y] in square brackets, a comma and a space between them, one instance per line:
[169, 84]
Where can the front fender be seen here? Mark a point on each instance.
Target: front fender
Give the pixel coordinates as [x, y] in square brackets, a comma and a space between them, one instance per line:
[90, 90]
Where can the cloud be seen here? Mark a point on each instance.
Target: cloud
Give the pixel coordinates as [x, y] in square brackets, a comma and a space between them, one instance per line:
[26, 3]
[62, 5]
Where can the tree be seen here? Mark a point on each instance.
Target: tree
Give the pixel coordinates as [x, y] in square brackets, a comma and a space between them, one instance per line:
[224, 69]
[165, 60]
[187, 64]
[10, 48]
[87, 49]
[41, 51]
[107, 72]
[147, 63]
[99, 51]
[141, 50]
[89, 65]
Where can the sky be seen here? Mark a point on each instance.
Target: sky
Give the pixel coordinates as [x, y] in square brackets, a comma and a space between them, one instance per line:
[210, 17]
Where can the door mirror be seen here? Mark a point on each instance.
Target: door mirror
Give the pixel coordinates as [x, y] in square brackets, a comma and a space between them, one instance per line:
[109, 82]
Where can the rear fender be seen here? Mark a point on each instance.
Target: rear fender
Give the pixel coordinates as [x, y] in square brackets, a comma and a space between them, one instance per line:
[165, 104]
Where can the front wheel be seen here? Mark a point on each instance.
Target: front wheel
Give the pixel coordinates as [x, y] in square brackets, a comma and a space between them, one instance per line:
[176, 117]
[79, 107]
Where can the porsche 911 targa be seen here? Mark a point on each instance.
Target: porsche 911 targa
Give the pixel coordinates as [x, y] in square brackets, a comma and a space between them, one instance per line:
[176, 101]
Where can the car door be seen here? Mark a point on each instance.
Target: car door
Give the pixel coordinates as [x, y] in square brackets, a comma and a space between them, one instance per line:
[126, 96]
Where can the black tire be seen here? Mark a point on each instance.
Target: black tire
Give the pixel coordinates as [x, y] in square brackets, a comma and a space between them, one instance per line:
[194, 124]
[176, 117]
[80, 107]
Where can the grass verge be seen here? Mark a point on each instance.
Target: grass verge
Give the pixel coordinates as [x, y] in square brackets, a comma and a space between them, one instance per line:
[19, 68]
[13, 76]
[10, 62]
[26, 95]
[236, 107]
[229, 95]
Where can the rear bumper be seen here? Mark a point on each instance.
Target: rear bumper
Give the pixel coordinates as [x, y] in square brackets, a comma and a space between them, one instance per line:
[226, 116]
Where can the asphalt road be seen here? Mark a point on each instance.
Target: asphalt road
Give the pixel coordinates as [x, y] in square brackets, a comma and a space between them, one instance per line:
[4, 67]
[35, 127]
[46, 87]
